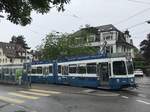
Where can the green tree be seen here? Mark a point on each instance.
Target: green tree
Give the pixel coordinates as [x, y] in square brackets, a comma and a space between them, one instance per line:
[49, 47]
[145, 48]
[57, 45]
[19, 40]
[19, 11]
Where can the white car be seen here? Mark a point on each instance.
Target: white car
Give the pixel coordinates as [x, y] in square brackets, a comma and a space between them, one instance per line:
[138, 72]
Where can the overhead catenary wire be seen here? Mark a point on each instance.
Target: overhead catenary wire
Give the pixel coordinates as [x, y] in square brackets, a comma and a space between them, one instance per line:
[138, 24]
[141, 2]
[141, 32]
[132, 16]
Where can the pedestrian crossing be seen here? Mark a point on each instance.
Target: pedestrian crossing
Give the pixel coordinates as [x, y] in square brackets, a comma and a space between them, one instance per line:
[34, 93]
[23, 96]
[19, 97]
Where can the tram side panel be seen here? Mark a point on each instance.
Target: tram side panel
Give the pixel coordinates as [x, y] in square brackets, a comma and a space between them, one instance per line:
[78, 74]
[42, 73]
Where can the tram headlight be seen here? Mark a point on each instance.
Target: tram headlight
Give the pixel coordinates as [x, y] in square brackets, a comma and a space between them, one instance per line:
[131, 80]
[118, 80]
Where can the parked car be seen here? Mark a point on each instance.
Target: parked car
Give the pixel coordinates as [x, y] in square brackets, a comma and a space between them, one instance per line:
[138, 72]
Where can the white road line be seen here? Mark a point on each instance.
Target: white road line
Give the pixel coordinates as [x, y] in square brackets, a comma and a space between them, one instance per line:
[111, 94]
[125, 97]
[23, 96]
[11, 100]
[141, 101]
[34, 93]
[89, 90]
[44, 91]
[142, 95]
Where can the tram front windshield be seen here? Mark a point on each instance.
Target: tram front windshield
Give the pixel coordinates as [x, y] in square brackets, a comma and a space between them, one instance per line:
[119, 68]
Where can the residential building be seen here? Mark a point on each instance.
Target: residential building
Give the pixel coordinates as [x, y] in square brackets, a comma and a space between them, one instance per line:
[117, 41]
[35, 55]
[11, 53]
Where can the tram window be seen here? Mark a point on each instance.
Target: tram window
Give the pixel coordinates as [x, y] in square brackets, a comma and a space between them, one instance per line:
[91, 68]
[82, 69]
[130, 67]
[39, 70]
[45, 70]
[73, 68]
[64, 70]
[59, 68]
[4, 70]
[50, 69]
[119, 68]
[33, 70]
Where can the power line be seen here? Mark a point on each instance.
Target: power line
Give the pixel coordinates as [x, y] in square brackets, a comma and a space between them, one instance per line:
[130, 17]
[144, 31]
[138, 24]
[138, 1]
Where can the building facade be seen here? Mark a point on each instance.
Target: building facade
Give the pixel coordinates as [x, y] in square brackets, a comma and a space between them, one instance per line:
[11, 54]
[117, 41]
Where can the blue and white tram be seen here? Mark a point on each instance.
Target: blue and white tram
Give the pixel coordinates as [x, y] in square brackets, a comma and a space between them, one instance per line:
[88, 71]
[113, 73]
[41, 72]
[8, 71]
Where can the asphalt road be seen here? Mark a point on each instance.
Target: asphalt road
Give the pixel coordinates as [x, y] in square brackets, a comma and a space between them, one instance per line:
[57, 98]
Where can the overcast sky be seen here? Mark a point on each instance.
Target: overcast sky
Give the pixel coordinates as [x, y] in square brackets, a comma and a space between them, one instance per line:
[81, 12]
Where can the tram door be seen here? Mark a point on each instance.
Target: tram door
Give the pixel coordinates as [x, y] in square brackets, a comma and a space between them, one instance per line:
[103, 73]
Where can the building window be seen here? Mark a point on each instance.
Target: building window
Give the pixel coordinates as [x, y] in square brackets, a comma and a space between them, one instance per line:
[109, 49]
[107, 36]
[97, 38]
[11, 60]
[91, 38]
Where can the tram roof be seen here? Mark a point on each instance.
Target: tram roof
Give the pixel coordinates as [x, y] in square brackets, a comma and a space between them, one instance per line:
[79, 58]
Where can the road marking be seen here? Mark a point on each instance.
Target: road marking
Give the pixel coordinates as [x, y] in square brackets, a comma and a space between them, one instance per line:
[12, 100]
[23, 96]
[141, 101]
[125, 97]
[142, 95]
[33, 93]
[88, 90]
[112, 94]
[45, 91]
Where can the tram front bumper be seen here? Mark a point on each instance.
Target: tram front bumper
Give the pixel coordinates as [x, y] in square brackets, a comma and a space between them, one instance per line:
[119, 83]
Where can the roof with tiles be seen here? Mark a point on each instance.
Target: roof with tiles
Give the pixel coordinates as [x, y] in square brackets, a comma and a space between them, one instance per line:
[11, 50]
